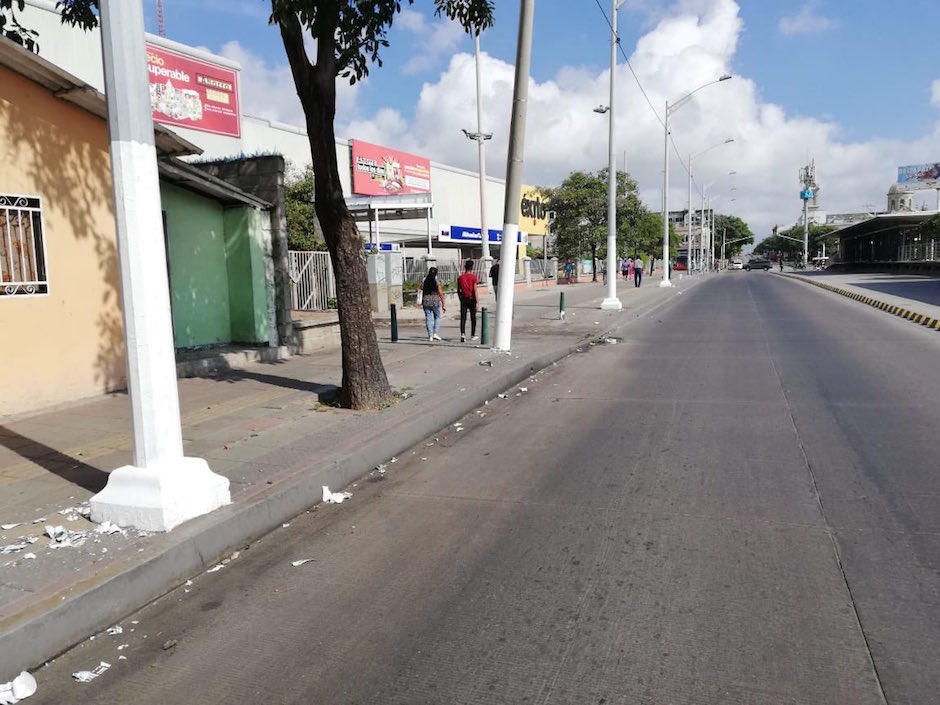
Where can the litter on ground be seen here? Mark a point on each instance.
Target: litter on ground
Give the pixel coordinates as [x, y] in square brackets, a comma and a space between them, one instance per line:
[334, 497]
[88, 676]
[17, 689]
[301, 562]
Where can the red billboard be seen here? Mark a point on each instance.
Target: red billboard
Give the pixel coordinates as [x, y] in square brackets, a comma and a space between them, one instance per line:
[380, 171]
[187, 92]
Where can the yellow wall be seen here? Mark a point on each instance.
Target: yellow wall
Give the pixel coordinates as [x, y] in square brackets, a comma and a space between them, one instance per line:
[67, 344]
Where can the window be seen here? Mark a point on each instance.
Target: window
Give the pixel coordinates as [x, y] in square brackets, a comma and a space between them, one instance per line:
[22, 249]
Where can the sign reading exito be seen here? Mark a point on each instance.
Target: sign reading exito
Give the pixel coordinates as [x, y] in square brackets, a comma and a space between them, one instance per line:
[187, 92]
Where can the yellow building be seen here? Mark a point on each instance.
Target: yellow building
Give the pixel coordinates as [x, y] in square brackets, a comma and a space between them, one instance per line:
[60, 310]
[533, 218]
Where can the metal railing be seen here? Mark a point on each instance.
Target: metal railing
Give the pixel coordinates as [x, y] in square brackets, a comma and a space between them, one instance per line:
[313, 286]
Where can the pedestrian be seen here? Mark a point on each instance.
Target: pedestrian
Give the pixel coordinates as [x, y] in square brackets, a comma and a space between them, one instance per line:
[625, 267]
[569, 270]
[630, 265]
[467, 293]
[604, 271]
[637, 271]
[494, 275]
[432, 301]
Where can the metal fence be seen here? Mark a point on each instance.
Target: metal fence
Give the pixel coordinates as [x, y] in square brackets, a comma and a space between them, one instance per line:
[313, 286]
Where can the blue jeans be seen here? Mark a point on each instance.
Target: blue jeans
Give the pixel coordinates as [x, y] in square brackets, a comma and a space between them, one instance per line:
[432, 319]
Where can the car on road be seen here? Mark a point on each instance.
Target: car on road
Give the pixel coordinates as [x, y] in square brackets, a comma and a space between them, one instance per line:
[736, 264]
[764, 264]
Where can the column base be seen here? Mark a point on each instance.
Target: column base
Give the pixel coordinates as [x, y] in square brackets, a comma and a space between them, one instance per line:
[612, 304]
[161, 496]
[665, 284]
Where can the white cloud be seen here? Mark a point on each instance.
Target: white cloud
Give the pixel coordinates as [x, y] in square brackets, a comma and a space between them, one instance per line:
[806, 21]
[691, 45]
[433, 39]
[268, 91]
[935, 93]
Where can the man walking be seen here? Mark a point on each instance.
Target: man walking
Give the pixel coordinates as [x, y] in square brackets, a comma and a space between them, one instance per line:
[467, 294]
[494, 275]
[637, 271]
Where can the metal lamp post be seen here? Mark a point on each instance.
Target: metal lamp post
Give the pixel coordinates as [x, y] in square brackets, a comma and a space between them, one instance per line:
[669, 110]
[611, 302]
[480, 137]
[691, 157]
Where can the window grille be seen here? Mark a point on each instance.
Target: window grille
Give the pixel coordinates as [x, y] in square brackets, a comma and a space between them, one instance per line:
[22, 248]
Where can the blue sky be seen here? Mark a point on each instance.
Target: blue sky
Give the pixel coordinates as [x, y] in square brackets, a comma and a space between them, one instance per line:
[853, 85]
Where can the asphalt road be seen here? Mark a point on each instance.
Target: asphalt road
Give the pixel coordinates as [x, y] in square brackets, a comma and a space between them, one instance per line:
[737, 503]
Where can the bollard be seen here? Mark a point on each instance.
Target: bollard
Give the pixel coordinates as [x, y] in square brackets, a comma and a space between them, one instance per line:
[394, 321]
[484, 328]
[561, 306]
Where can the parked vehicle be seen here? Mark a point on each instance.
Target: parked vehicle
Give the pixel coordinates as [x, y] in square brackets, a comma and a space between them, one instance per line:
[764, 264]
[736, 264]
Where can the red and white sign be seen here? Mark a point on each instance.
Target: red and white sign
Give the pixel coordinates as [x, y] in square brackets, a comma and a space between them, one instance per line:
[380, 171]
[187, 92]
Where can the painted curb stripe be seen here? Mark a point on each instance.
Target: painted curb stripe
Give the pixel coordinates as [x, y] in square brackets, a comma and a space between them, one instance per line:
[919, 318]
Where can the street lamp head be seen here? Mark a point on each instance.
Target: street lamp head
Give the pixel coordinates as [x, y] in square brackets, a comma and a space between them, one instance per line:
[601, 109]
[729, 140]
[467, 133]
[486, 135]
[726, 77]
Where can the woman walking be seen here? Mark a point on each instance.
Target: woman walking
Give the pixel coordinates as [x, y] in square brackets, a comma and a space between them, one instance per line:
[432, 301]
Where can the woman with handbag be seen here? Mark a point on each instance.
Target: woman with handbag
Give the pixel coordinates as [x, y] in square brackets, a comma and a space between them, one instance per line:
[432, 301]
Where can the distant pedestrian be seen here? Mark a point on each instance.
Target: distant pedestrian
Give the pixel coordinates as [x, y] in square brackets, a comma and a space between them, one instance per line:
[569, 270]
[637, 271]
[494, 275]
[604, 271]
[630, 265]
[625, 267]
[432, 301]
[467, 293]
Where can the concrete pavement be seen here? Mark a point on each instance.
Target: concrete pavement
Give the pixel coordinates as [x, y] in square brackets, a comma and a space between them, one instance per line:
[272, 429]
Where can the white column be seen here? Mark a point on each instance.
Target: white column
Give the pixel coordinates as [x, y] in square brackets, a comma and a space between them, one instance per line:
[665, 281]
[611, 302]
[503, 338]
[484, 236]
[162, 488]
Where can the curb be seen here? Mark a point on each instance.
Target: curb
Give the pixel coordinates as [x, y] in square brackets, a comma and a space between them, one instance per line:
[906, 314]
[68, 614]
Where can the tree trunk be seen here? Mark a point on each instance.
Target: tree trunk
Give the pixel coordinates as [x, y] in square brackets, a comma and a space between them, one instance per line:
[365, 384]
[593, 262]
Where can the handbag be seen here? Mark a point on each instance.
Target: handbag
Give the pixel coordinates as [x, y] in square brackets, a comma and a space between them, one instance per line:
[420, 297]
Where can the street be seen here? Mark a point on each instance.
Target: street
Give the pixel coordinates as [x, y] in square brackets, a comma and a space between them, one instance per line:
[733, 501]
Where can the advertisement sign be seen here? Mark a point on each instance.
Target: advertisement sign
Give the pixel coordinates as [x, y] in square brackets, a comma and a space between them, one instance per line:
[533, 213]
[919, 173]
[188, 92]
[380, 171]
[462, 233]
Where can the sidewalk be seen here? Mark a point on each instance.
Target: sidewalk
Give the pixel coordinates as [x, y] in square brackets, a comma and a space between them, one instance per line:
[915, 297]
[272, 430]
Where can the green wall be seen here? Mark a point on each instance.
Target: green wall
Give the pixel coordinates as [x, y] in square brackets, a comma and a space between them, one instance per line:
[217, 270]
[244, 249]
[199, 284]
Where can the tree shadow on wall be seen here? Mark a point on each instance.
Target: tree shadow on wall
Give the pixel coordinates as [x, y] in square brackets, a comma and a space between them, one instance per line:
[65, 150]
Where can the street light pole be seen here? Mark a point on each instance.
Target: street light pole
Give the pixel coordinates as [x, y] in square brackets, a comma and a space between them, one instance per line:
[669, 110]
[514, 174]
[612, 303]
[691, 158]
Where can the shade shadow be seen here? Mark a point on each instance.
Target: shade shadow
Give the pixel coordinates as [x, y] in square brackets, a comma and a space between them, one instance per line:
[65, 466]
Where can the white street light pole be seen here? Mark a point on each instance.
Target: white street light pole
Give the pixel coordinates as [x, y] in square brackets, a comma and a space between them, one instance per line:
[480, 137]
[162, 488]
[612, 303]
[669, 110]
[691, 157]
[514, 158]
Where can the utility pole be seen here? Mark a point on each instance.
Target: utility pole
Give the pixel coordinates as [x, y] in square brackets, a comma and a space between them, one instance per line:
[611, 302]
[162, 488]
[514, 177]
[808, 182]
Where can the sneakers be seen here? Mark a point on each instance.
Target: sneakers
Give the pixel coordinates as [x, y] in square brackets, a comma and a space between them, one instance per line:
[436, 337]
[463, 338]
[474, 337]
[430, 338]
